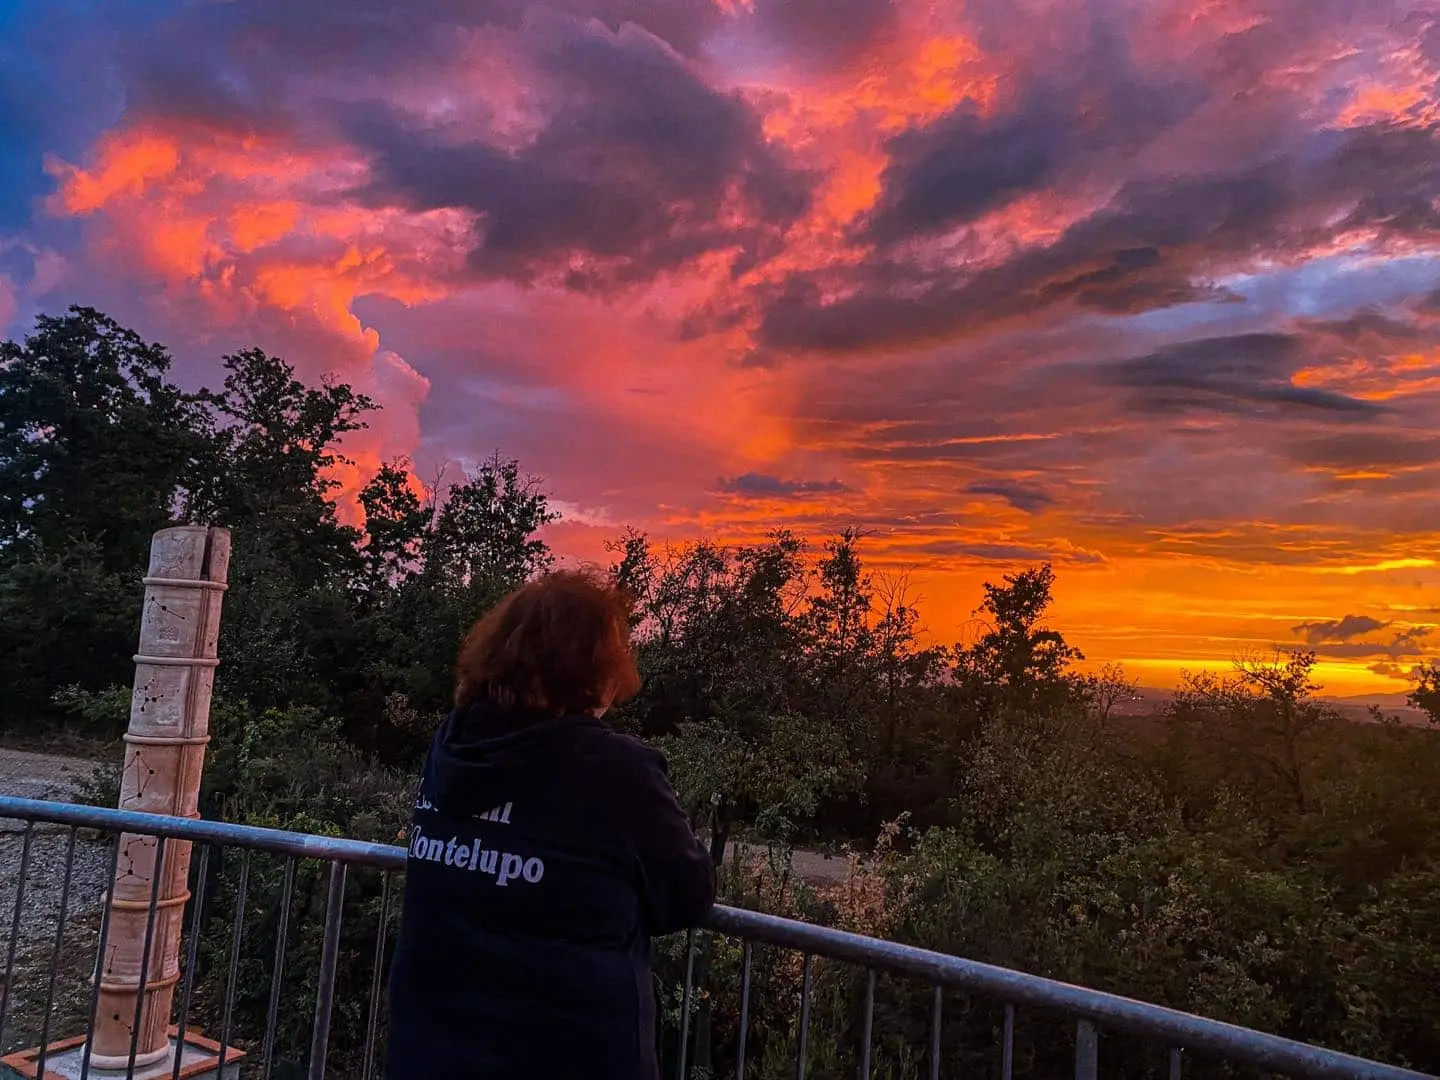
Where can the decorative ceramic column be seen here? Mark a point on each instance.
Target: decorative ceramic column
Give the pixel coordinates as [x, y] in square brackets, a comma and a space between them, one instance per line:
[164, 756]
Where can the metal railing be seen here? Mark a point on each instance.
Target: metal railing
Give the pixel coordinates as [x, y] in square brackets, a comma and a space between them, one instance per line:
[1093, 1012]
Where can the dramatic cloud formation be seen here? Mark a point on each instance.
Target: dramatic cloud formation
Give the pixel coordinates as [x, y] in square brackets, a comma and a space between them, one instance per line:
[1146, 289]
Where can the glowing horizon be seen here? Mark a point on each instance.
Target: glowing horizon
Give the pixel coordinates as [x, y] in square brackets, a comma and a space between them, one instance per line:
[1150, 291]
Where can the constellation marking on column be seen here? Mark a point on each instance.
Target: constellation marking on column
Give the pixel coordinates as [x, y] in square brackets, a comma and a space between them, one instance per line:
[157, 611]
[127, 855]
[143, 773]
[154, 692]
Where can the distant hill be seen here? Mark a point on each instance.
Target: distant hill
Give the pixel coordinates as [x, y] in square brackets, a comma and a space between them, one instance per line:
[1357, 707]
[1148, 701]
[1151, 701]
[1385, 701]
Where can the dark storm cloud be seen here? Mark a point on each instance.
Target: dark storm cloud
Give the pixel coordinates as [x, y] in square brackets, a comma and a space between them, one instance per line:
[255, 66]
[1120, 286]
[637, 169]
[1153, 245]
[269, 36]
[1009, 553]
[1411, 643]
[962, 166]
[235, 67]
[1378, 450]
[1394, 671]
[1394, 171]
[764, 486]
[1021, 496]
[1083, 111]
[1334, 630]
[1225, 374]
[1149, 236]
[1367, 324]
[825, 33]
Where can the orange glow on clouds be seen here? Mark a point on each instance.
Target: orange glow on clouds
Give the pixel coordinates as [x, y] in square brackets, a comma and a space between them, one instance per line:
[841, 119]
[213, 215]
[1021, 389]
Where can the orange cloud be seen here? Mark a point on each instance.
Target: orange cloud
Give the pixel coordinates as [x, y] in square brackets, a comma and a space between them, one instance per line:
[239, 225]
[1038, 368]
[124, 167]
[1379, 378]
[840, 119]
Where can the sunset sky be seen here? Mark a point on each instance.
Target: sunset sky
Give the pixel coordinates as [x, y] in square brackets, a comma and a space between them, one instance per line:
[1147, 289]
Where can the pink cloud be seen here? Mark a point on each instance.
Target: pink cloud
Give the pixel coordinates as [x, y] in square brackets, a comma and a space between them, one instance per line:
[972, 276]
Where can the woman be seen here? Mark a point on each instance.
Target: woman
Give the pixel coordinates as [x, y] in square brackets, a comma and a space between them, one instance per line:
[544, 852]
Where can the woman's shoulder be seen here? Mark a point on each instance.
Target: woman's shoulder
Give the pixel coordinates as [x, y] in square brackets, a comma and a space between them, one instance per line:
[622, 750]
[624, 774]
[627, 769]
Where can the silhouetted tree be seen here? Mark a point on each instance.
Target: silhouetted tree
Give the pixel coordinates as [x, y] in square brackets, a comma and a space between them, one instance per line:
[1426, 693]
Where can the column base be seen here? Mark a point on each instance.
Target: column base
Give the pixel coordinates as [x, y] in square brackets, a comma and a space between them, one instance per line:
[199, 1060]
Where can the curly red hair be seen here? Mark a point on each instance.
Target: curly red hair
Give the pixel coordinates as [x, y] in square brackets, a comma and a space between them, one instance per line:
[558, 645]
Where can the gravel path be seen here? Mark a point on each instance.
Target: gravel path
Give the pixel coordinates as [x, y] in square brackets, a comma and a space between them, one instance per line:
[42, 776]
[46, 776]
[813, 867]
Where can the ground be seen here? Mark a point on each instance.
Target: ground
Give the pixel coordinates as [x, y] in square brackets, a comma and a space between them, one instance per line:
[41, 776]
[810, 866]
[27, 949]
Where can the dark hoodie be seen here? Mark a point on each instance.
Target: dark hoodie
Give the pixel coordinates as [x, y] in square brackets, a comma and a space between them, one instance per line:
[543, 854]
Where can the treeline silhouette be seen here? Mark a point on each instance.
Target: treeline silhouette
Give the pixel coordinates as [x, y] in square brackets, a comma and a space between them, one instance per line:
[1249, 855]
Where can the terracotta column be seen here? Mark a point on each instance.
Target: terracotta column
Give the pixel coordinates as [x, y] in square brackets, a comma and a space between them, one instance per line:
[164, 755]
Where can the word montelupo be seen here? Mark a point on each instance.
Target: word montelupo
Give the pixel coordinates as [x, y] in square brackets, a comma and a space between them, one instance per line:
[473, 856]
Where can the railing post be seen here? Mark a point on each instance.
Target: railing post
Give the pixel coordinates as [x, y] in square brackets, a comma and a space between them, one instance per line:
[680, 1069]
[329, 958]
[868, 1033]
[9, 971]
[1087, 1051]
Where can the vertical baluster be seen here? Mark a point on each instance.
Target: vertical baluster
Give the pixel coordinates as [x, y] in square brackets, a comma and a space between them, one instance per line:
[1175, 1063]
[935, 1035]
[1087, 1051]
[685, 1005]
[1007, 1049]
[236, 936]
[744, 1009]
[99, 960]
[15, 925]
[145, 948]
[374, 1022]
[55, 955]
[277, 977]
[192, 952]
[329, 957]
[869, 1024]
[804, 1018]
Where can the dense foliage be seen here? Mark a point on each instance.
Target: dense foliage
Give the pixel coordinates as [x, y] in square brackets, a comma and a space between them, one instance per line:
[1249, 856]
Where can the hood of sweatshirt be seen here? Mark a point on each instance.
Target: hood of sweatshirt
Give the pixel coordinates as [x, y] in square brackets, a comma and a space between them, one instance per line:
[484, 756]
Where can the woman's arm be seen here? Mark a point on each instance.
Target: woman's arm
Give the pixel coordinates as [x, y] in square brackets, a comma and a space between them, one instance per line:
[677, 876]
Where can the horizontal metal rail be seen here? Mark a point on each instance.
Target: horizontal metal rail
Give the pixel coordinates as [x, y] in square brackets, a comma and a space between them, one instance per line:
[1092, 1008]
